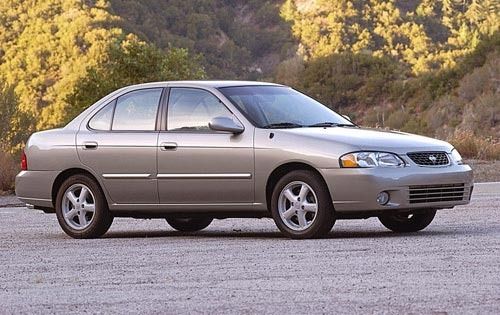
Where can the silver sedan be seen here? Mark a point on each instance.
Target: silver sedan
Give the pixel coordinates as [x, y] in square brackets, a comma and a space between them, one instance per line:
[193, 151]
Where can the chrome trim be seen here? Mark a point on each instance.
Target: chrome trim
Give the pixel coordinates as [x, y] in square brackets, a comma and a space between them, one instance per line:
[190, 204]
[206, 176]
[448, 156]
[36, 199]
[345, 202]
[112, 176]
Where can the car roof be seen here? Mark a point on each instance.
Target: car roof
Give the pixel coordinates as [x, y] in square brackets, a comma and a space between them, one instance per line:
[207, 83]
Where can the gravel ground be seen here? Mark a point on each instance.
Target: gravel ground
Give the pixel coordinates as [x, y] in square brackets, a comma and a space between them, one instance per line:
[485, 171]
[246, 266]
[10, 201]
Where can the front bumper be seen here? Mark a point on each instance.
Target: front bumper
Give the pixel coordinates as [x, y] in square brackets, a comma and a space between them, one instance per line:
[356, 189]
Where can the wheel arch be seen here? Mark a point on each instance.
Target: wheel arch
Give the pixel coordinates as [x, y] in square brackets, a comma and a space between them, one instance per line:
[68, 173]
[285, 168]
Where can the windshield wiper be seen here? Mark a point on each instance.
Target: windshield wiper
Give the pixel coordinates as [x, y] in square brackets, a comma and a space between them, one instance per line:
[283, 125]
[330, 124]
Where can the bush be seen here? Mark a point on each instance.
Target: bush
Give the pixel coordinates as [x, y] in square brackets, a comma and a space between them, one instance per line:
[397, 119]
[342, 80]
[8, 171]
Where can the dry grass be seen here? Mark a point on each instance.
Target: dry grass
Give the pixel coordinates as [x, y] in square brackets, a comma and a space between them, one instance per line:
[475, 147]
[8, 171]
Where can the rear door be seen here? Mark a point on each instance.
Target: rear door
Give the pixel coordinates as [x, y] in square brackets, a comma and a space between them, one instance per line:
[199, 166]
[119, 144]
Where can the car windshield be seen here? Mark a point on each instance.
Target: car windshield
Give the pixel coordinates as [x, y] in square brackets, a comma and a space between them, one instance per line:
[282, 107]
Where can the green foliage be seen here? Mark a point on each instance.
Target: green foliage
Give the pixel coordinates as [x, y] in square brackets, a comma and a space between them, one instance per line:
[237, 38]
[342, 80]
[380, 91]
[131, 61]
[8, 104]
[48, 48]
[14, 123]
[426, 35]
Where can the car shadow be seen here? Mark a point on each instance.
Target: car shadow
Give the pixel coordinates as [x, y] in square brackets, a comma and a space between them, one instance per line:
[200, 234]
[272, 235]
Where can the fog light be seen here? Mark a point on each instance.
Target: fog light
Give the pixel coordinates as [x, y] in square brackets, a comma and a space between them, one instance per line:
[383, 198]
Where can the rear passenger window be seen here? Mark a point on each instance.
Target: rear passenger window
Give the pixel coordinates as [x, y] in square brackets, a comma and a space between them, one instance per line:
[102, 120]
[137, 110]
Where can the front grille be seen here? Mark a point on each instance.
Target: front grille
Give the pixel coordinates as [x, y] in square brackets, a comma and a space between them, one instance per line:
[436, 193]
[429, 158]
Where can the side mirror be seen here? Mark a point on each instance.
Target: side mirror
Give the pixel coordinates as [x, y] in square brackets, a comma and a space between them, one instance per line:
[347, 117]
[228, 124]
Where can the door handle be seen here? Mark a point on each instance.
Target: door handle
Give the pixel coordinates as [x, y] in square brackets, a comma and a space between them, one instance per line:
[164, 146]
[90, 145]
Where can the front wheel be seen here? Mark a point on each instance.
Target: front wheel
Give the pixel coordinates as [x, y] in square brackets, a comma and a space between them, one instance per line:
[189, 224]
[301, 205]
[407, 222]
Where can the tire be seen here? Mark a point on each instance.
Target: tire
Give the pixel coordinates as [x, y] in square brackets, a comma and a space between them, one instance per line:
[312, 216]
[189, 224]
[75, 216]
[404, 223]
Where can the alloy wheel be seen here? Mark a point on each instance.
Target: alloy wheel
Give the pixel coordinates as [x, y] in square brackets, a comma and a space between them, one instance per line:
[78, 206]
[298, 205]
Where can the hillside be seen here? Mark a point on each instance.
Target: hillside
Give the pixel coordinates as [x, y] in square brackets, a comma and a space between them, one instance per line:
[429, 67]
[237, 39]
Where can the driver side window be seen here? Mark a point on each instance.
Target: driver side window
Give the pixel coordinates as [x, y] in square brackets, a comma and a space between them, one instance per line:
[192, 109]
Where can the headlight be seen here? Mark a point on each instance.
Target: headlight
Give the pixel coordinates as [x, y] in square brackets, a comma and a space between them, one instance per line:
[371, 159]
[456, 157]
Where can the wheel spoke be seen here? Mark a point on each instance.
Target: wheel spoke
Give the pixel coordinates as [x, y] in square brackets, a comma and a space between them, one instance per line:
[72, 198]
[83, 194]
[88, 207]
[290, 196]
[310, 207]
[288, 213]
[304, 190]
[71, 214]
[82, 218]
[301, 215]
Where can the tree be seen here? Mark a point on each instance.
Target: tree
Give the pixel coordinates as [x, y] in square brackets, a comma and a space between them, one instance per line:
[14, 123]
[46, 46]
[131, 61]
[426, 35]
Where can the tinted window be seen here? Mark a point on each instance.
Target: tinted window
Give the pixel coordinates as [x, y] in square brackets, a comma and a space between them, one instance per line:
[102, 120]
[268, 105]
[192, 109]
[137, 110]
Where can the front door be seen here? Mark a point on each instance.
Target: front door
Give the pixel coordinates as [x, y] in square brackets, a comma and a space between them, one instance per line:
[199, 166]
[119, 144]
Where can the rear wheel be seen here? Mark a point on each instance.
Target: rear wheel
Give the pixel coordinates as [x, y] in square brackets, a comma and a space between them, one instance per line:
[407, 222]
[81, 208]
[189, 224]
[301, 205]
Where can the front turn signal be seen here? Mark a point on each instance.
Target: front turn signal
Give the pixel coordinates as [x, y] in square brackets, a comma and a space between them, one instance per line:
[348, 160]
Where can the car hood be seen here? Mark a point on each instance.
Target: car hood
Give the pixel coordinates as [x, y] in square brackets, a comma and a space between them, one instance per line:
[372, 139]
